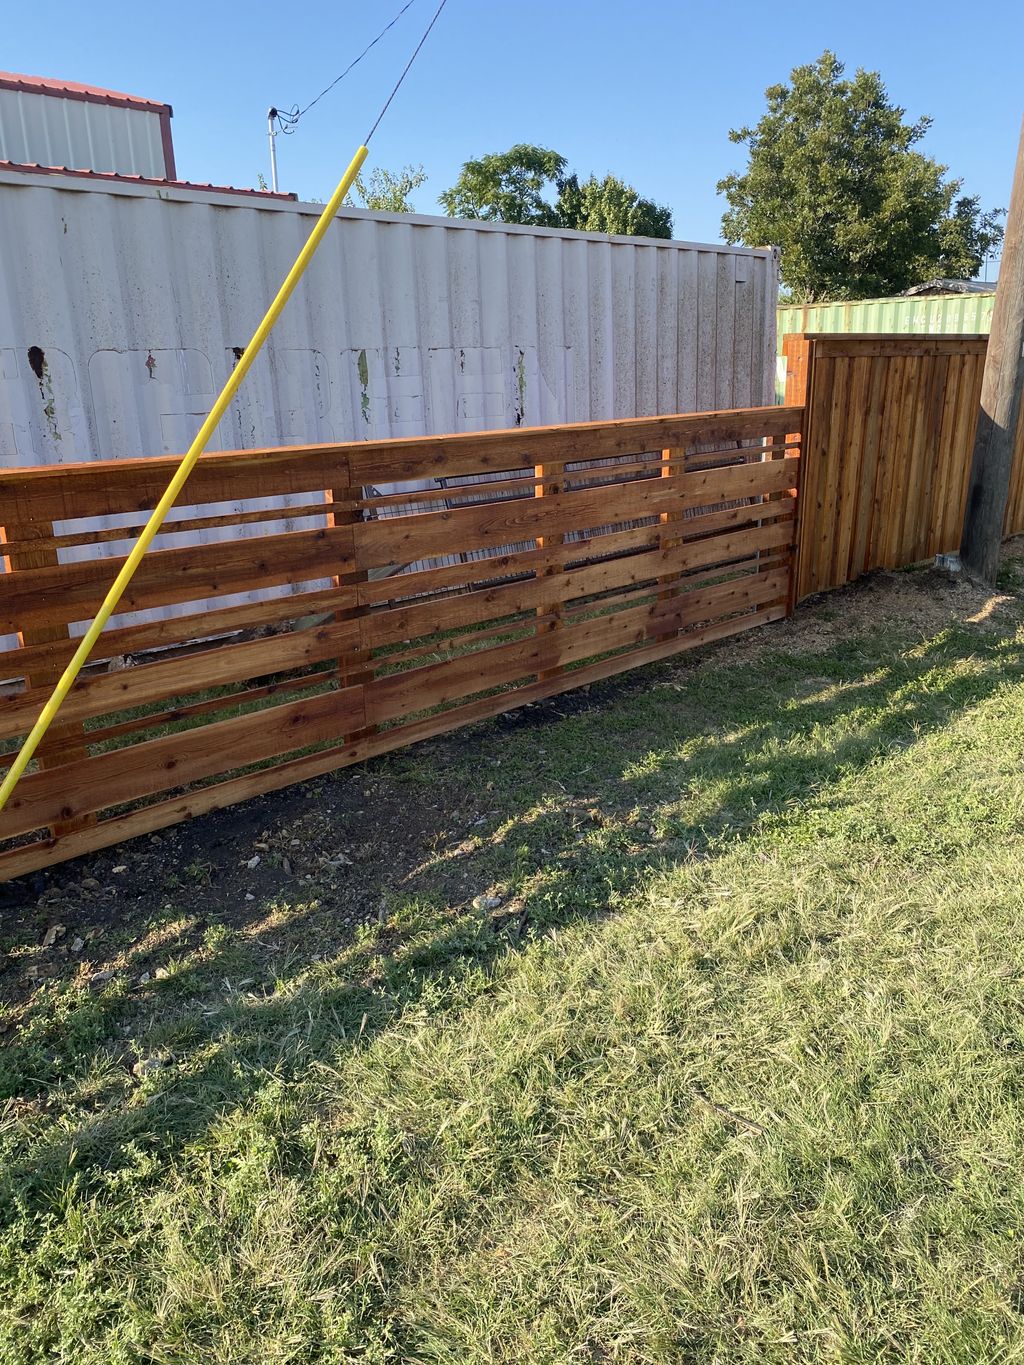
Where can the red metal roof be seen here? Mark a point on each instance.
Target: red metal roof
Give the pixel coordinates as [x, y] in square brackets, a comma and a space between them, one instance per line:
[44, 85]
[113, 177]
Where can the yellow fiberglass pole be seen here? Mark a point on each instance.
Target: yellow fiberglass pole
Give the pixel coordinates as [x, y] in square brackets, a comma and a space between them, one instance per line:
[176, 484]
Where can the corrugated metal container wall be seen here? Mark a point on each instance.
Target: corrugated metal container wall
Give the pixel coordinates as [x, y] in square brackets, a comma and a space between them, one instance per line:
[950, 314]
[122, 308]
[79, 133]
[137, 298]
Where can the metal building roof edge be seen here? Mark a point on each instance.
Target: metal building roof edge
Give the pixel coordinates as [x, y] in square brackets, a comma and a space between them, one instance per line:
[112, 179]
[75, 90]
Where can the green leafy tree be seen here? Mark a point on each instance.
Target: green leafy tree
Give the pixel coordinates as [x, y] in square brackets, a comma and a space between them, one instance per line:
[533, 185]
[507, 187]
[389, 191]
[967, 236]
[833, 178]
[610, 205]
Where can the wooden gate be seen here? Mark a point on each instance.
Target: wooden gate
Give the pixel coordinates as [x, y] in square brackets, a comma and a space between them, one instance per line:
[343, 620]
[889, 435]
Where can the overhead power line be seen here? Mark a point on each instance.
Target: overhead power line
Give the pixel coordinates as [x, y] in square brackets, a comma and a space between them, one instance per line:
[408, 65]
[287, 121]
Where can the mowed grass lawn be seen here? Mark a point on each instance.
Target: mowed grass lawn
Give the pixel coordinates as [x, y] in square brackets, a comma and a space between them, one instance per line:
[733, 1073]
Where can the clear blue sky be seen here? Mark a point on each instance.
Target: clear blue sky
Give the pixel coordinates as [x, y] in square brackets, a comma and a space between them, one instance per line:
[647, 89]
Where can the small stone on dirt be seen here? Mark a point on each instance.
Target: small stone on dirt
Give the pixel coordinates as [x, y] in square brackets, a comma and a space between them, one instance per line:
[98, 978]
[253, 862]
[249, 896]
[52, 934]
[90, 884]
[145, 1065]
[121, 867]
[77, 944]
[144, 979]
[160, 974]
[486, 902]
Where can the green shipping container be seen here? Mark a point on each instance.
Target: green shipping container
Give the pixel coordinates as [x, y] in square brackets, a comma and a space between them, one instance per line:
[949, 313]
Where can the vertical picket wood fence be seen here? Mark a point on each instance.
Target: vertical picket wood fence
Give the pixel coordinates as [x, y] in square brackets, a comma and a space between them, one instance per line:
[890, 430]
[268, 656]
[889, 437]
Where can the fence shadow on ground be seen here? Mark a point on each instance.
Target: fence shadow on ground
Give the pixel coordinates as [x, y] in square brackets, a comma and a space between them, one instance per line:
[740, 750]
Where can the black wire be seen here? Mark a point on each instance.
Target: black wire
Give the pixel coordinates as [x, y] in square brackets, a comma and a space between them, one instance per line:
[285, 122]
[288, 121]
[437, 15]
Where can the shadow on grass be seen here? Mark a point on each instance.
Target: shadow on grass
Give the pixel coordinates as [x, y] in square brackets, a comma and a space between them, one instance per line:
[590, 798]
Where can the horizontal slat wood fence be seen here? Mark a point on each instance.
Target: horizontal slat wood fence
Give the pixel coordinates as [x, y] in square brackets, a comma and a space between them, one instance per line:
[890, 424]
[383, 614]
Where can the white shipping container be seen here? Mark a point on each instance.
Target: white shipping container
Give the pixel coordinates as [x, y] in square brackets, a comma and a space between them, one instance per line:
[123, 308]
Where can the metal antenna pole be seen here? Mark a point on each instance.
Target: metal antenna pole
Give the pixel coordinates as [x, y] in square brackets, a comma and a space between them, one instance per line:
[271, 135]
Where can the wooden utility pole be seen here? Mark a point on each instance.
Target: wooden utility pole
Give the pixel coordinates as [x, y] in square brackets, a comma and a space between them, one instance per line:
[1000, 400]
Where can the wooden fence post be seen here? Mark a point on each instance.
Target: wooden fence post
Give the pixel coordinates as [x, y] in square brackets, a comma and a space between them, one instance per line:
[796, 347]
[799, 352]
[355, 667]
[670, 534]
[550, 478]
[989, 487]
